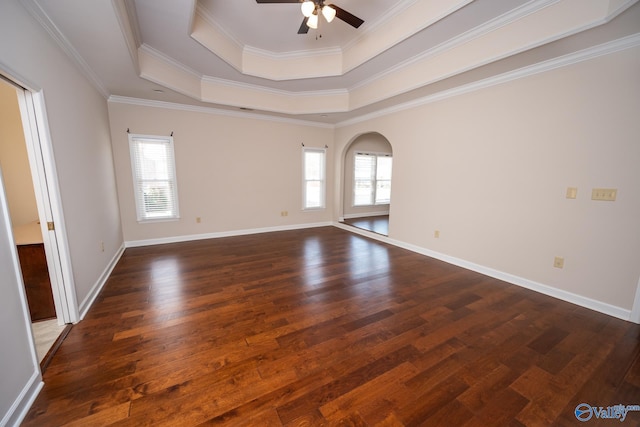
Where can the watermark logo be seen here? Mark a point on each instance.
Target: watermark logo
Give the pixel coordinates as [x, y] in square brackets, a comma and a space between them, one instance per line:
[584, 412]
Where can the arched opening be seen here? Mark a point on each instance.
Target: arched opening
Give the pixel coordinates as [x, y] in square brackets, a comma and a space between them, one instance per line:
[366, 190]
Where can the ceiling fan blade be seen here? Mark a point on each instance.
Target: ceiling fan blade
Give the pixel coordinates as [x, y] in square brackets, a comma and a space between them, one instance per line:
[304, 28]
[347, 17]
[277, 1]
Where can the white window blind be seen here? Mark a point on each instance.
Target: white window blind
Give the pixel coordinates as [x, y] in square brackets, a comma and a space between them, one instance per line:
[313, 185]
[372, 179]
[154, 177]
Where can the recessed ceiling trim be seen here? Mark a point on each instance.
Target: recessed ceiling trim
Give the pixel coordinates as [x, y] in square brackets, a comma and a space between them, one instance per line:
[209, 33]
[212, 110]
[532, 25]
[614, 46]
[396, 28]
[292, 65]
[414, 15]
[226, 92]
[511, 34]
[128, 21]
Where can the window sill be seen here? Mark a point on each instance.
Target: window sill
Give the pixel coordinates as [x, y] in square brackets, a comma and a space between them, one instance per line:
[151, 221]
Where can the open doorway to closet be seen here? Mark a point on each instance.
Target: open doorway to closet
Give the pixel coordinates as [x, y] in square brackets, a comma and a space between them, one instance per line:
[368, 167]
[47, 323]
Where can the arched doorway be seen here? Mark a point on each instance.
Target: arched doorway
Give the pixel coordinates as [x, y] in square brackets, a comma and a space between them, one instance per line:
[366, 191]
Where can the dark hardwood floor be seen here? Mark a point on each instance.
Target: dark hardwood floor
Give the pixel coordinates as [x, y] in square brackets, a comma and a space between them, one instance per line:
[377, 224]
[324, 327]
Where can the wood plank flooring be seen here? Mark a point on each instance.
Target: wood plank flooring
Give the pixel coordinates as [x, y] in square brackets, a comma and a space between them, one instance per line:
[324, 327]
[377, 224]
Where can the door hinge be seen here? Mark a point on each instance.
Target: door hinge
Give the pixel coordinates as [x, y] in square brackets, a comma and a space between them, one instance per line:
[50, 226]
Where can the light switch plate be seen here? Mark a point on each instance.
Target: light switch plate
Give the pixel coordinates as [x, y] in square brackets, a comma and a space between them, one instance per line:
[572, 192]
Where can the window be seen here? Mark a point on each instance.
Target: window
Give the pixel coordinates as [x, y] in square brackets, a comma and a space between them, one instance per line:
[313, 185]
[372, 179]
[154, 177]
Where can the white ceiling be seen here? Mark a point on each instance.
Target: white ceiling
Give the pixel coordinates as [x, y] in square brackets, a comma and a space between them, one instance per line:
[155, 49]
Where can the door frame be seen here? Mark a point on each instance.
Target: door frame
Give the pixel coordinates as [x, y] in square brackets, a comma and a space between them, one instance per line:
[48, 199]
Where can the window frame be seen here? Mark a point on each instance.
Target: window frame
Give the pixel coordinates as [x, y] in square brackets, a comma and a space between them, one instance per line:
[373, 180]
[142, 216]
[322, 180]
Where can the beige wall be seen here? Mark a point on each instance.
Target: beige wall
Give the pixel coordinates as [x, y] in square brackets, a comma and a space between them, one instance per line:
[14, 160]
[489, 169]
[369, 142]
[234, 173]
[79, 128]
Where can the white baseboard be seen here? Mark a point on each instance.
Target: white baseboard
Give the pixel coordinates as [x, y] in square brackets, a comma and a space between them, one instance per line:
[97, 287]
[23, 402]
[580, 300]
[364, 214]
[217, 235]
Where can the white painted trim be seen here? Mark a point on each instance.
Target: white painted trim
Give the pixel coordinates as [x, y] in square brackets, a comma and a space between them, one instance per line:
[295, 54]
[155, 53]
[592, 52]
[364, 214]
[127, 19]
[466, 37]
[102, 280]
[635, 310]
[265, 89]
[570, 297]
[20, 407]
[47, 190]
[211, 110]
[36, 11]
[191, 237]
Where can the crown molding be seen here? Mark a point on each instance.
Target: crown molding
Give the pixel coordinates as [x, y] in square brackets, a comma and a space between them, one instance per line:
[509, 34]
[155, 53]
[593, 52]
[371, 42]
[214, 111]
[128, 21]
[475, 33]
[485, 37]
[38, 13]
[235, 84]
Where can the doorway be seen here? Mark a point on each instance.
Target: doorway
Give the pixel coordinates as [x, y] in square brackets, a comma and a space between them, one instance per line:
[366, 193]
[33, 245]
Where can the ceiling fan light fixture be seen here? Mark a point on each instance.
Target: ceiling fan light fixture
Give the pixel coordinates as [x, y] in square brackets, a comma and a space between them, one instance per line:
[312, 22]
[307, 8]
[329, 13]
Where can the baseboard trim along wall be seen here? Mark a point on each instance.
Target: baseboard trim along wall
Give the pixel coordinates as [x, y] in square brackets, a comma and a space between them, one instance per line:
[217, 235]
[23, 403]
[364, 215]
[580, 300]
[102, 280]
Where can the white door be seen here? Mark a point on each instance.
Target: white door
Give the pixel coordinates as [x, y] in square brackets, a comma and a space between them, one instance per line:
[47, 194]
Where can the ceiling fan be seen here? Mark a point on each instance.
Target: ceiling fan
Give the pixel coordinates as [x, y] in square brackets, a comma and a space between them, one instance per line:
[311, 9]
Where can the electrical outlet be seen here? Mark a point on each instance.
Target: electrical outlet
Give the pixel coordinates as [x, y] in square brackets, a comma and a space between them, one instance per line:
[604, 194]
[284, 213]
[558, 262]
[198, 220]
[436, 234]
[572, 192]
[101, 246]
